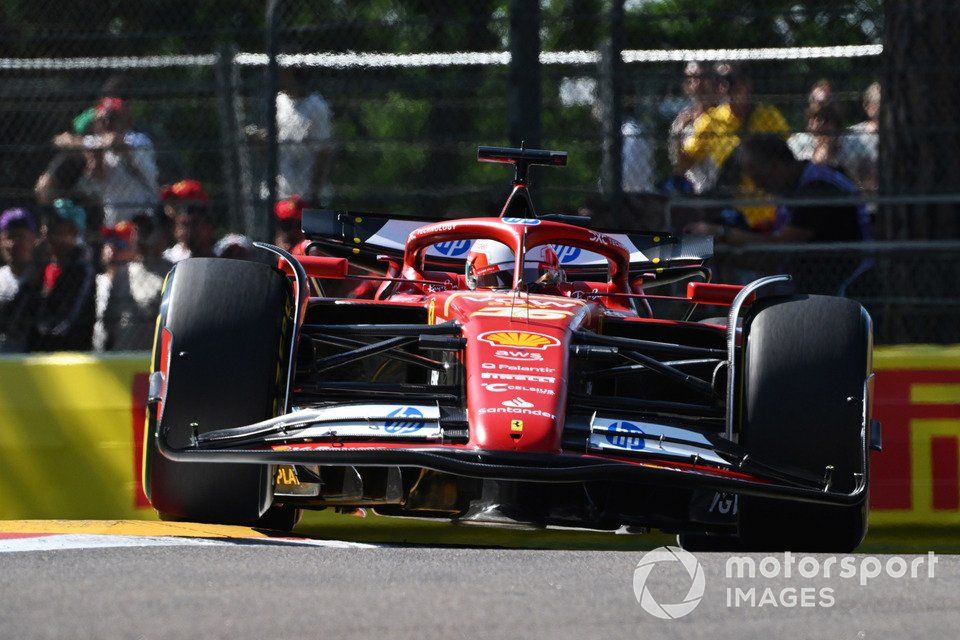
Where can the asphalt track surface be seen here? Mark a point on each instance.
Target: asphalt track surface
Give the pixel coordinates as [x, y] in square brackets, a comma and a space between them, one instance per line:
[222, 587]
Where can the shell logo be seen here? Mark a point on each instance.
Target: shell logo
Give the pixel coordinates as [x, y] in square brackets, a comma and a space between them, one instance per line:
[519, 339]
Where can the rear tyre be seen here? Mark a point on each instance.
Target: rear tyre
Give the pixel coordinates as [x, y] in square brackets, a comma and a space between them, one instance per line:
[227, 321]
[805, 363]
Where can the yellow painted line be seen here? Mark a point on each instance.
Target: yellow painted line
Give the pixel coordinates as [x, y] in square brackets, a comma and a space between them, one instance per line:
[918, 356]
[935, 394]
[129, 528]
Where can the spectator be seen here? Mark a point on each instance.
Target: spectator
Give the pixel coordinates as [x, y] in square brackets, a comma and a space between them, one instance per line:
[116, 86]
[637, 160]
[66, 176]
[304, 134]
[700, 88]
[19, 279]
[859, 148]
[185, 203]
[233, 245]
[820, 143]
[716, 135]
[771, 164]
[118, 246]
[120, 162]
[186, 193]
[821, 95]
[116, 250]
[128, 292]
[65, 314]
[289, 213]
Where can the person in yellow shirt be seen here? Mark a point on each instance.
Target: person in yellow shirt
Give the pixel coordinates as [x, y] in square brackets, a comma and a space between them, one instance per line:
[716, 136]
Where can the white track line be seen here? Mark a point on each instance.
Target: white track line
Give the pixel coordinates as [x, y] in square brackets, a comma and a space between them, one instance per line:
[59, 542]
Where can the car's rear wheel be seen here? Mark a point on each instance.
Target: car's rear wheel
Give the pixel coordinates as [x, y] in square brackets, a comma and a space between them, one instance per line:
[805, 364]
[228, 327]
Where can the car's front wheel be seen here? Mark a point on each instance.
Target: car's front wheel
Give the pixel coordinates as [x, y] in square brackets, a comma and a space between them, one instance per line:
[806, 362]
[227, 324]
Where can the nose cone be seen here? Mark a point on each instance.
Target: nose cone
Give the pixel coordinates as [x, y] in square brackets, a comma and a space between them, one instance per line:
[516, 363]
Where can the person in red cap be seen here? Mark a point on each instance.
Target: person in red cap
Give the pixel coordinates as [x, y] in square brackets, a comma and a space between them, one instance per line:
[128, 292]
[187, 191]
[289, 213]
[186, 204]
[121, 162]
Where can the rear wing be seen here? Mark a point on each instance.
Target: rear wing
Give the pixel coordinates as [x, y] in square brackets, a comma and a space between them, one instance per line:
[364, 236]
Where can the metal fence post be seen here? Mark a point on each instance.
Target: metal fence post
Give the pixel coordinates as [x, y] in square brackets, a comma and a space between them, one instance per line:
[273, 146]
[611, 97]
[229, 133]
[524, 83]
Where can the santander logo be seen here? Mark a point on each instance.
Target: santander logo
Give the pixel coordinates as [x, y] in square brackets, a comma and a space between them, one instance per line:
[518, 403]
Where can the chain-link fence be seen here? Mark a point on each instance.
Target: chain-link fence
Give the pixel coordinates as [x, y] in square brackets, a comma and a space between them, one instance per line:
[380, 104]
[909, 288]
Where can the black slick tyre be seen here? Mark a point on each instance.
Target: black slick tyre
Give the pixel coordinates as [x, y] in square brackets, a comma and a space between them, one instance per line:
[806, 360]
[228, 330]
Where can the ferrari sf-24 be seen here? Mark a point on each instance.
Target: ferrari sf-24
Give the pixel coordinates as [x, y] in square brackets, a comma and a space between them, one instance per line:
[518, 371]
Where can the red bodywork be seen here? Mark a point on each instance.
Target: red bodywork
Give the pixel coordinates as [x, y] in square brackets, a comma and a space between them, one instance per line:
[556, 397]
[513, 348]
[516, 360]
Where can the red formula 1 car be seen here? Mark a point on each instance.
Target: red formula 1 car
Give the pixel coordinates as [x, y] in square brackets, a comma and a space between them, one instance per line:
[511, 370]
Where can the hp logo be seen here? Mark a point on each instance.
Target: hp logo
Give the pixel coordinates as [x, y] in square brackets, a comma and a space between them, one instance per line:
[453, 248]
[404, 426]
[625, 436]
[566, 255]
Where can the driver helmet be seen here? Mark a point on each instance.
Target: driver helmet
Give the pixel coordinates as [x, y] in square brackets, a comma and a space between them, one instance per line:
[490, 265]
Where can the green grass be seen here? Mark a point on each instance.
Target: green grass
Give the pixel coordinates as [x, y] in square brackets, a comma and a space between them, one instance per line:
[405, 531]
[409, 531]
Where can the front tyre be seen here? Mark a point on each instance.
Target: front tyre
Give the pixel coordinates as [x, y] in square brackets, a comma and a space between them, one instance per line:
[806, 361]
[227, 328]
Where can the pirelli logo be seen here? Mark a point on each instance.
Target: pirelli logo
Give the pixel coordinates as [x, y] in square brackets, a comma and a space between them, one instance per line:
[917, 477]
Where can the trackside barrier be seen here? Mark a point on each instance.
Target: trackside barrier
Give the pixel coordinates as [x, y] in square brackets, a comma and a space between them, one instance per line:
[71, 428]
[70, 425]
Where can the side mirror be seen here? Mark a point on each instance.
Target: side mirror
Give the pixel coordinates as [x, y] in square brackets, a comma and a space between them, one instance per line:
[320, 267]
[710, 293]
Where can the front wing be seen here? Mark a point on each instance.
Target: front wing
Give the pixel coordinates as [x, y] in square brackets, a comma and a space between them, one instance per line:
[595, 449]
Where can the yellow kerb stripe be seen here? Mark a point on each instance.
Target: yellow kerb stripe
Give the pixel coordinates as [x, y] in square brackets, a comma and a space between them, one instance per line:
[129, 528]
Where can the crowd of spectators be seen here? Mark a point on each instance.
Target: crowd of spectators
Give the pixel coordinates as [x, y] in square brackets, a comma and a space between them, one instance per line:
[726, 145]
[781, 187]
[83, 267]
[66, 287]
